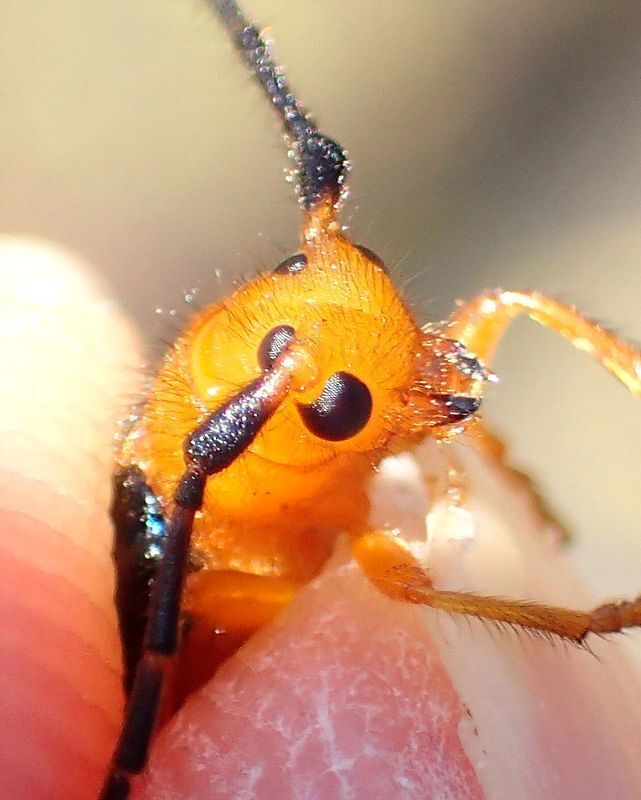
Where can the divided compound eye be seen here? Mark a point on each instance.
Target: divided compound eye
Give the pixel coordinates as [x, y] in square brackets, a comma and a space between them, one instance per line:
[291, 265]
[273, 345]
[371, 255]
[342, 410]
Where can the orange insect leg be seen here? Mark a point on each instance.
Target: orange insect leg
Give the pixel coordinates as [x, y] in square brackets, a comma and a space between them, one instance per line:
[396, 573]
[480, 323]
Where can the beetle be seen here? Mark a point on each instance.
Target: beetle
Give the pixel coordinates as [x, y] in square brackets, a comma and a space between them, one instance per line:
[273, 407]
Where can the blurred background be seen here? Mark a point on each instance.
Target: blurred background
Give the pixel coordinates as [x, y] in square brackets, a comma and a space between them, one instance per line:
[494, 143]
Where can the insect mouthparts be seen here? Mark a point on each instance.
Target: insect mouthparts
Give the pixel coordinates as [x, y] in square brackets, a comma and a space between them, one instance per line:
[462, 407]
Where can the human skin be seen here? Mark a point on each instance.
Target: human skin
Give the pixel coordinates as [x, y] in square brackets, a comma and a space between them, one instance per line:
[348, 694]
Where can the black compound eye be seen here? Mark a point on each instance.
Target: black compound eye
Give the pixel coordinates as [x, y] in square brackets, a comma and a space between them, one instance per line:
[292, 265]
[342, 410]
[273, 345]
[372, 256]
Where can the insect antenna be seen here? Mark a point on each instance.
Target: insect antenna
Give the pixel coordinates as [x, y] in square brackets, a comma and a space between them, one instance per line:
[209, 449]
[322, 164]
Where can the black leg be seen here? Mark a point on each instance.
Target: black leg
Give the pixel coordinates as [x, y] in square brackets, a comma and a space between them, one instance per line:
[160, 641]
[140, 532]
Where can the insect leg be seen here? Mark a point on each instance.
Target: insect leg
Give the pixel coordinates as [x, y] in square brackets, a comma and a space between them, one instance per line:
[140, 532]
[396, 573]
[480, 323]
[160, 642]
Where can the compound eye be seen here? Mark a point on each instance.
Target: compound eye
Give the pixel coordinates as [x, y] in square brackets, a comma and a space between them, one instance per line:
[371, 255]
[292, 265]
[273, 345]
[342, 410]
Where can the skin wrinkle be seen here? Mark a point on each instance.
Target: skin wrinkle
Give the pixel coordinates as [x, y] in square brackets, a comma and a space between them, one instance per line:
[60, 557]
[47, 558]
[34, 743]
[42, 623]
[27, 472]
[325, 723]
[43, 727]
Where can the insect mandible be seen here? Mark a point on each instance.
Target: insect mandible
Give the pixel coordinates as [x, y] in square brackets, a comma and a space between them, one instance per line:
[274, 406]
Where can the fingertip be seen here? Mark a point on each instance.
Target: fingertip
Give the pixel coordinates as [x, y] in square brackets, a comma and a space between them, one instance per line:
[344, 696]
[351, 694]
[67, 357]
[69, 362]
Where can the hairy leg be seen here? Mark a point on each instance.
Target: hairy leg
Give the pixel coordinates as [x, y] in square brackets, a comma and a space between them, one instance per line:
[396, 573]
[480, 323]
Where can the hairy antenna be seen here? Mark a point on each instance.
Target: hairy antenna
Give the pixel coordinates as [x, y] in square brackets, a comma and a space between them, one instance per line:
[321, 162]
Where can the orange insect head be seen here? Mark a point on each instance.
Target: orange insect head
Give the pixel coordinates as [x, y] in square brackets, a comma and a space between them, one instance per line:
[362, 376]
[349, 333]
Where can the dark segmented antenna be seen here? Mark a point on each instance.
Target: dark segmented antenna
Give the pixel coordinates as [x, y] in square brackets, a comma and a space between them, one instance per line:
[322, 163]
[215, 444]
